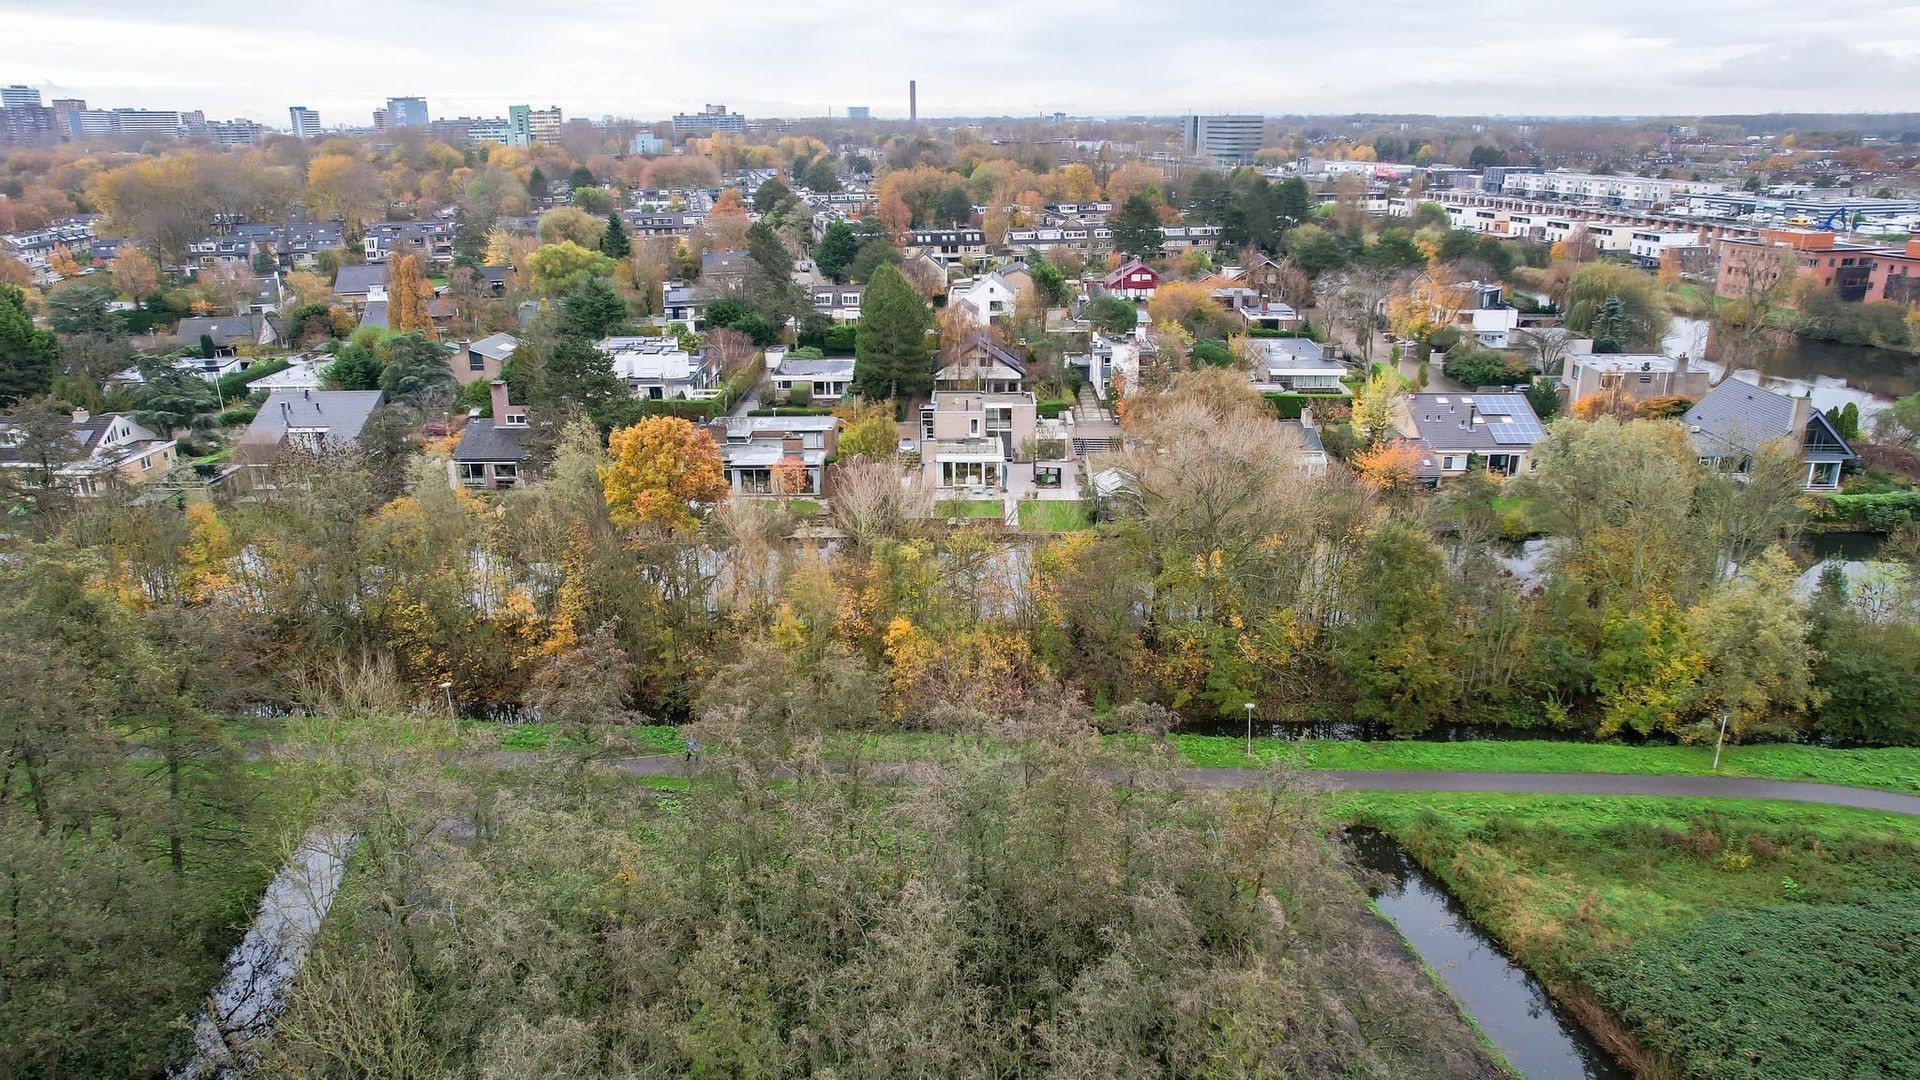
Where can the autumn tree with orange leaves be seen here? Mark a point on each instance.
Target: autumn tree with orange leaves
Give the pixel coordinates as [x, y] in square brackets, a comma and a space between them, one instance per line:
[1391, 467]
[664, 473]
[407, 296]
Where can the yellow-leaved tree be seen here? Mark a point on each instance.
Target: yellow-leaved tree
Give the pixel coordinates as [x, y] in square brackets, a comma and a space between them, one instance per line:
[407, 296]
[664, 474]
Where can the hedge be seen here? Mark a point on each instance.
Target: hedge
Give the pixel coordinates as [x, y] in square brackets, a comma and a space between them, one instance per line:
[233, 382]
[792, 410]
[238, 416]
[1289, 404]
[1883, 512]
[1266, 332]
[1051, 408]
[681, 407]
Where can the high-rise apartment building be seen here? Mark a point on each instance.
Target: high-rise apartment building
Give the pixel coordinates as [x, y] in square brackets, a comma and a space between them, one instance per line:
[406, 112]
[66, 116]
[19, 97]
[535, 127]
[858, 112]
[379, 119]
[146, 122]
[709, 120]
[305, 121]
[1223, 139]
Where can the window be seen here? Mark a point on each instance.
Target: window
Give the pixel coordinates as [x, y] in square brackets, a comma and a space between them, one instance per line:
[476, 362]
[973, 426]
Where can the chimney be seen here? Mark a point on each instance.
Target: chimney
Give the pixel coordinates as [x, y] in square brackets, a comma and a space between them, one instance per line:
[286, 412]
[1802, 407]
[81, 416]
[497, 392]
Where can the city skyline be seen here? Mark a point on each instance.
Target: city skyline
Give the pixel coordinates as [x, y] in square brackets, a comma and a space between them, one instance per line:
[1629, 58]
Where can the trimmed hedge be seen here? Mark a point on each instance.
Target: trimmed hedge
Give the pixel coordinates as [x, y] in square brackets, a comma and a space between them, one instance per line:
[792, 410]
[686, 410]
[1289, 404]
[1051, 408]
[1266, 332]
[1883, 512]
[234, 382]
[238, 416]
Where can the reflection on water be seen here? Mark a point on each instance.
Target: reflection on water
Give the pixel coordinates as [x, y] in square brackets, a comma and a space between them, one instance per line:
[1832, 373]
[1508, 1004]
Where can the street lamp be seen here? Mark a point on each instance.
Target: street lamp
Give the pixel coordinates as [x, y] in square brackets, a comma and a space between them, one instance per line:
[1249, 731]
[1722, 740]
[447, 689]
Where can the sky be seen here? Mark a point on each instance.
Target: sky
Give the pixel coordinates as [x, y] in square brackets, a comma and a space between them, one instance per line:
[647, 59]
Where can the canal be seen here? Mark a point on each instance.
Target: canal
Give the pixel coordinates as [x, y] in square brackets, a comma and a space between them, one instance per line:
[1832, 373]
[1508, 1004]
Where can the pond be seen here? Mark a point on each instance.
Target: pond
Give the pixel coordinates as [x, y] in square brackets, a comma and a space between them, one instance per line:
[1508, 1004]
[1832, 373]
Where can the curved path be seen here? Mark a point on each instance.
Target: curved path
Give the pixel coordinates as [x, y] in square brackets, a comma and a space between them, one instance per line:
[1511, 783]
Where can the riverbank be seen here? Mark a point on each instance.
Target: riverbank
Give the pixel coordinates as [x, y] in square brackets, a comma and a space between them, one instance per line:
[1619, 905]
[1889, 768]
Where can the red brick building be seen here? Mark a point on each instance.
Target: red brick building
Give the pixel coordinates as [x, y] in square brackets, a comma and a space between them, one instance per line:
[1856, 271]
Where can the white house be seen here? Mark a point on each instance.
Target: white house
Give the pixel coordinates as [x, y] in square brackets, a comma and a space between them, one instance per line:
[656, 368]
[990, 298]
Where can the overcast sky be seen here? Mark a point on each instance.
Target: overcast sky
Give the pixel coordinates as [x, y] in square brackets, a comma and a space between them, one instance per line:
[978, 57]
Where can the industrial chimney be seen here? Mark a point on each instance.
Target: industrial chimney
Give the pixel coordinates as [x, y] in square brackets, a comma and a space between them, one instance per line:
[913, 101]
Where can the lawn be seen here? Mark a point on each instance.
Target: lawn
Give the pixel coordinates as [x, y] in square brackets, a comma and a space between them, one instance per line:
[1890, 768]
[1054, 515]
[969, 508]
[1893, 768]
[1738, 938]
[801, 507]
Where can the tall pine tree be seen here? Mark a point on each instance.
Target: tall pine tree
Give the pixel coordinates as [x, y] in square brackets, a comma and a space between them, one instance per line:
[614, 243]
[835, 251]
[28, 354]
[890, 351]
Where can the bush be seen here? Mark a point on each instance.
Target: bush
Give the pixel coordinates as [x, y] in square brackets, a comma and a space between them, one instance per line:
[238, 416]
[1474, 367]
[680, 407]
[234, 383]
[1213, 353]
[1287, 405]
[1266, 332]
[800, 396]
[1051, 408]
[1883, 512]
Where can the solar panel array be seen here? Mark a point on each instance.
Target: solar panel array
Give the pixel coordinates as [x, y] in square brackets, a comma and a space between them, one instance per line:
[1521, 428]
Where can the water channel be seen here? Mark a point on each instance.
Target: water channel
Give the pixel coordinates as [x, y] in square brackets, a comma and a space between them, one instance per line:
[1508, 1004]
[1831, 373]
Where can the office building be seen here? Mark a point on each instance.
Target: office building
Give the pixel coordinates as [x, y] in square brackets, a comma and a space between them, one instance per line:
[490, 130]
[19, 97]
[857, 112]
[644, 143]
[306, 122]
[709, 120]
[1223, 139]
[406, 112]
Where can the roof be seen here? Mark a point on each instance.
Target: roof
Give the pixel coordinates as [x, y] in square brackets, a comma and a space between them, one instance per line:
[224, 330]
[749, 426]
[723, 262]
[1127, 268]
[356, 280]
[484, 441]
[90, 434]
[1490, 423]
[1625, 362]
[1737, 415]
[648, 358]
[497, 346]
[375, 314]
[1292, 352]
[341, 414]
[810, 365]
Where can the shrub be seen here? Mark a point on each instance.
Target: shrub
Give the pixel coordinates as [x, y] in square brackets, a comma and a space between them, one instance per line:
[800, 396]
[234, 383]
[1051, 408]
[238, 416]
[1475, 367]
[1287, 405]
[1882, 512]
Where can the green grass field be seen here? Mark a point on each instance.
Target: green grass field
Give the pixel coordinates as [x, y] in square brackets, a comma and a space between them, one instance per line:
[969, 508]
[1054, 516]
[1722, 932]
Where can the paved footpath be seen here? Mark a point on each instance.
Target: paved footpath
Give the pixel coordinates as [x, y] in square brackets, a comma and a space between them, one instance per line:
[1704, 787]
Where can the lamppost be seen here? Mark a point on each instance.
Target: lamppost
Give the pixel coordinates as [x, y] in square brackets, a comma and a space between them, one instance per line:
[452, 717]
[1249, 731]
[1722, 740]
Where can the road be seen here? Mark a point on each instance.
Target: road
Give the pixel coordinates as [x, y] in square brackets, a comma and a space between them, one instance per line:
[1692, 787]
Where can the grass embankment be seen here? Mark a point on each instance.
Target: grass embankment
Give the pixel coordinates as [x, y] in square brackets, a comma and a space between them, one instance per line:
[1891, 768]
[1734, 938]
[1054, 516]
